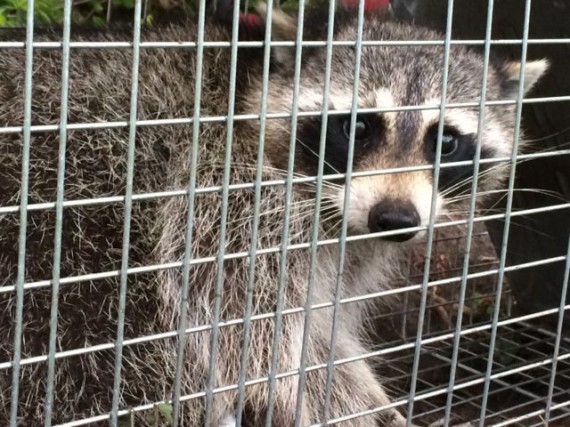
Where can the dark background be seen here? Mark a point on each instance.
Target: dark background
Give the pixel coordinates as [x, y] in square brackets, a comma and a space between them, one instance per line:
[536, 236]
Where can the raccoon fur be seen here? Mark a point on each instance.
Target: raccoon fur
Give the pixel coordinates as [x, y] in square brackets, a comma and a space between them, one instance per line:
[96, 168]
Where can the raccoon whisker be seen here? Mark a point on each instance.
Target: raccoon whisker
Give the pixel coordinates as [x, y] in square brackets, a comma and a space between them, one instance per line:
[337, 224]
[481, 211]
[326, 184]
[327, 213]
[450, 215]
[232, 286]
[359, 209]
[283, 173]
[526, 227]
[328, 203]
[465, 182]
[306, 209]
[326, 207]
[491, 169]
[478, 212]
[539, 191]
[552, 135]
[313, 186]
[237, 166]
[244, 220]
[457, 186]
[460, 198]
[545, 150]
[468, 180]
[553, 194]
[330, 212]
[317, 155]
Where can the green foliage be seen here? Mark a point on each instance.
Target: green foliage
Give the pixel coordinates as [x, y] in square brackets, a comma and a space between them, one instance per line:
[46, 12]
[165, 412]
[161, 415]
[84, 12]
[95, 13]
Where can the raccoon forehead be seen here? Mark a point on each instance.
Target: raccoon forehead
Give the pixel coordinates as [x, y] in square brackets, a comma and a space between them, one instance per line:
[466, 121]
[311, 98]
[389, 76]
[339, 98]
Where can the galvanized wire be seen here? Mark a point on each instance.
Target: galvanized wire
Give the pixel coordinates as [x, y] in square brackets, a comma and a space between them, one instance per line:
[21, 278]
[277, 182]
[323, 242]
[395, 404]
[506, 230]
[191, 192]
[346, 205]
[470, 221]
[316, 218]
[220, 276]
[280, 115]
[188, 262]
[319, 306]
[528, 415]
[282, 276]
[433, 213]
[256, 216]
[127, 215]
[56, 272]
[559, 326]
[274, 43]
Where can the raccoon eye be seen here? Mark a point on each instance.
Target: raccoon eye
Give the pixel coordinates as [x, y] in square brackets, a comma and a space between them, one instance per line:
[449, 143]
[361, 129]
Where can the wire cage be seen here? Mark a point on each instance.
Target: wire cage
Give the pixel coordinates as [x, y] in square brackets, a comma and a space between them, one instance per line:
[468, 340]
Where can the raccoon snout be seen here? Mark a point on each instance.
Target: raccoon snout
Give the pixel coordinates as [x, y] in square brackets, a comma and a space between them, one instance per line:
[394, 215]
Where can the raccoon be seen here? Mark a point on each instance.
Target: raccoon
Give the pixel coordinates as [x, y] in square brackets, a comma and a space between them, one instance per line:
[223, 291]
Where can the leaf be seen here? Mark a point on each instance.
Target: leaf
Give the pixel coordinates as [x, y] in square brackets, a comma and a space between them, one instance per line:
[98, 7]
[99, 22]
[128, 4]
[165, 411]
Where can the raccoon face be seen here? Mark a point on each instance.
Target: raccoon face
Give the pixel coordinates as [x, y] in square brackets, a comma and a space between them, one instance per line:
[392, 77]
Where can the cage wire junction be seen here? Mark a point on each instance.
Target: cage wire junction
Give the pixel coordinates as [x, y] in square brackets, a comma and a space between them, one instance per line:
[459, 354]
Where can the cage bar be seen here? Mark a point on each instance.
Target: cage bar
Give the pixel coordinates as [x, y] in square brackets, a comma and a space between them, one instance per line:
[472, 203]
[56, 275]
[432, 215]
[23, 213]
[128, 214]
[511, 184]
[346, 201]
[256, 217]
[451, 360]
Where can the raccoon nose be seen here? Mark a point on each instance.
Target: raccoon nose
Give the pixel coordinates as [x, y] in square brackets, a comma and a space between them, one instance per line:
[393, 215]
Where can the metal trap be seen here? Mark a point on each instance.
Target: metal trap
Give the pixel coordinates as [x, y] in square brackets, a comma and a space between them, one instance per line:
[521, 384]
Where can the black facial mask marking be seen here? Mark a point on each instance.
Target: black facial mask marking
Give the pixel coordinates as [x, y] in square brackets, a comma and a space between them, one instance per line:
[369, 132]
[456, 147]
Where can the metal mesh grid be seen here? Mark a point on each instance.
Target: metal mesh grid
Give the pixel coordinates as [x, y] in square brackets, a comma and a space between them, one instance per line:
[521, 367]
[516, 398]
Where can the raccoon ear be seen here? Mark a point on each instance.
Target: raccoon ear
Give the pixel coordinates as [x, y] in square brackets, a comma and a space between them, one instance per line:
[532, 73]
[283, 28]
